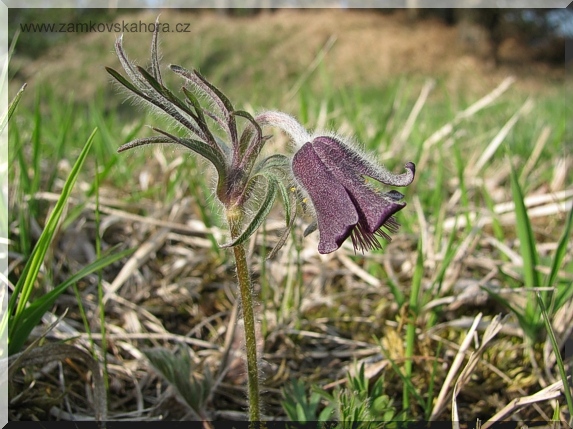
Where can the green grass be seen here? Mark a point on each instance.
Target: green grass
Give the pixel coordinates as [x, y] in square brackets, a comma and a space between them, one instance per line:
[185, 284]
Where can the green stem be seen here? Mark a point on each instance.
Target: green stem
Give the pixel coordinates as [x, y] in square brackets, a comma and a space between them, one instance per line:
[234, 218]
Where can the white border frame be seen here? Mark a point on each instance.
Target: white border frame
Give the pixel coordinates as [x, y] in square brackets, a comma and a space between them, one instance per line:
[144, 4]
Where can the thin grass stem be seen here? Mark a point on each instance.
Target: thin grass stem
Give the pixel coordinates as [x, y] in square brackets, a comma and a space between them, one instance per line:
[414, 306]
[558, 358]
[100, 290]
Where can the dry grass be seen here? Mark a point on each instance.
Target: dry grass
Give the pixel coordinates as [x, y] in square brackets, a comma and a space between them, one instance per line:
[176, 290]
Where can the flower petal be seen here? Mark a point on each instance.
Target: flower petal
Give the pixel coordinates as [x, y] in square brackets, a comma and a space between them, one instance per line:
[352, 160]
[374, 208]
[335, 211]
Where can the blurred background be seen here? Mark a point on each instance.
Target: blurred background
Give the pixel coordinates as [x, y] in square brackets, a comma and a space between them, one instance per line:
[384, 42]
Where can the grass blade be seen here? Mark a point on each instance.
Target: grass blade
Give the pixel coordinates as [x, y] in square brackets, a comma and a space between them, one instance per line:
[25, 284]
[561, 250]
[407, 380]
[12, 108]
[530, 257]
[31, 315]
[525, 235]
[411, 328]
[558, 359]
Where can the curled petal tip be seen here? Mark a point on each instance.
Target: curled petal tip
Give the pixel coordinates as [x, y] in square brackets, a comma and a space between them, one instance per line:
[408, 177]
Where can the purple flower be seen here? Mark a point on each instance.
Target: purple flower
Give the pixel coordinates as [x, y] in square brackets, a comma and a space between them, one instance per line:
[346, 206]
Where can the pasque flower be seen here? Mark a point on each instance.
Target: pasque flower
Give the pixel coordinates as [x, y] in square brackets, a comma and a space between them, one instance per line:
[331, 172]
[345, 204]
[208, 124]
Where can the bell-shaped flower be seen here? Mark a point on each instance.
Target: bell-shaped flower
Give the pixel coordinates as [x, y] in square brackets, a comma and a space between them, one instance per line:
[333, 175]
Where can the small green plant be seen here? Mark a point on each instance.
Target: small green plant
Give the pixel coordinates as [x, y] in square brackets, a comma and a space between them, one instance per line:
[361, 404]
[302, 407]
[193, 385]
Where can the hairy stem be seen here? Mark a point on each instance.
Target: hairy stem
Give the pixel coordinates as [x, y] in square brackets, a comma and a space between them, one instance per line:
[234, 218]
